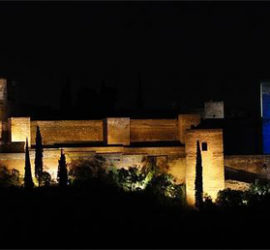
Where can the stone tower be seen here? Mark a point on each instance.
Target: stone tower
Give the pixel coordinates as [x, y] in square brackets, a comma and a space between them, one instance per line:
[211, 145]
[214, 110]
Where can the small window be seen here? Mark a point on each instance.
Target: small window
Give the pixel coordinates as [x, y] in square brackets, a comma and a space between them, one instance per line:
[204, 146]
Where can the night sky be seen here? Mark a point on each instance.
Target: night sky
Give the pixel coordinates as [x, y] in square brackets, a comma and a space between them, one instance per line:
[186, 52]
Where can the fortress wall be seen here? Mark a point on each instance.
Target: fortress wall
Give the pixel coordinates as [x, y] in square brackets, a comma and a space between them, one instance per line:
[68, 131]
[212, 162]
[254, 164]
[177, 168]
[152, 130]
[115, 156]
[17, 161]
[185, 122]
[156, 151]
[117, 131]
[19, 129]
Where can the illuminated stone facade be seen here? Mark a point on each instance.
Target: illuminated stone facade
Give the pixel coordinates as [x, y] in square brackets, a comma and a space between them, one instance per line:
[185, 122]
[20, 129]
[211, 145]
[126, 142]
[123, 142]
[117, 131]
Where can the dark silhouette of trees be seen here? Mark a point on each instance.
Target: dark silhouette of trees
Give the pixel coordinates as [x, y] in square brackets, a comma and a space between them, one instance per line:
[9, 177]
[39, 156]
[28, 180]
[198, 179]
[62, 175]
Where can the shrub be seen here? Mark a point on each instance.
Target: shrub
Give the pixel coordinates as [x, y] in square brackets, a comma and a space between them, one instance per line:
[45, 179]
[164, 187]
[83, 171]
[259, 188]
[9, 177]
[232, 198]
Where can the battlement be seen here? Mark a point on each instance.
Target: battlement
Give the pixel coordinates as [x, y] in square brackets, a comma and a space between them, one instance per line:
[123, 141]
[109, 131]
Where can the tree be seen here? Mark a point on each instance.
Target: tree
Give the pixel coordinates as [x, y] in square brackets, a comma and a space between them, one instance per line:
[87, 171]
[45, 179]
[28, 181]
[198, 179]
[62, 175]
[9, 177]
[39, 156]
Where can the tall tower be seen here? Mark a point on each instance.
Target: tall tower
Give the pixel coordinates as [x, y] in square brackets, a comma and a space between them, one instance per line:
[265, 115]
[213, 172]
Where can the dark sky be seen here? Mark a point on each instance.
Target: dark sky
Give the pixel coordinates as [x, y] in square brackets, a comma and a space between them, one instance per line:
[189, 51]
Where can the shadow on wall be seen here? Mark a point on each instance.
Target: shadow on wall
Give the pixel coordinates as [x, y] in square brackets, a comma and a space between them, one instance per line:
[240, 175]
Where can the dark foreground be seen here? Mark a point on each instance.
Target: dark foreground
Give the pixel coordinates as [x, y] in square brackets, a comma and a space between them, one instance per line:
[106, 218]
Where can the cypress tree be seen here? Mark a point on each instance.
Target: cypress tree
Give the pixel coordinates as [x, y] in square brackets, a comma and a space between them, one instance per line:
[62, 175]
[28, 181]
[198, 179]
[39, 156]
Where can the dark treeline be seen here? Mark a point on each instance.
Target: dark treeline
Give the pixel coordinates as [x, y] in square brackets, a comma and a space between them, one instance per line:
[102, 216]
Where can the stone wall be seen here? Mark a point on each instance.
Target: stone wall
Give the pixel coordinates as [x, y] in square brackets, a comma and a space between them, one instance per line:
[119, 157]
[212, 162]
[113, 131]
[153, 130]
[19, 129]
[258, 165]
[117, 131]
[177, 168]
[185, 122]
[69, 131]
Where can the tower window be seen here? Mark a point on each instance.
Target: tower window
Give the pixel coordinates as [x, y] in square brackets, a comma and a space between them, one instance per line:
[204, 146]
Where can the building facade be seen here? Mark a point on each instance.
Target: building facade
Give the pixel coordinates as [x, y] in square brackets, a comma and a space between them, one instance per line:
[125, 142]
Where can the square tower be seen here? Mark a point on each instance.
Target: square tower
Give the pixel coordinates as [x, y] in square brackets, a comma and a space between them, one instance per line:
[214, 110]
[185, 122]
[213, 172]
[117, 131]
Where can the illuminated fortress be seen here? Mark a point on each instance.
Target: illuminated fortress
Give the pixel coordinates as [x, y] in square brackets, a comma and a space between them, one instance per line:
[125, 142]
